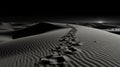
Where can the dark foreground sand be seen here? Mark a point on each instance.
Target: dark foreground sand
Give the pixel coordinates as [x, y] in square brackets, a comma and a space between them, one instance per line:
[101, 49]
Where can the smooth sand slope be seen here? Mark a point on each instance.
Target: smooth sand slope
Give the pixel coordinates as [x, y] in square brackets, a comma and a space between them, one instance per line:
[101, 49]
[39, 28]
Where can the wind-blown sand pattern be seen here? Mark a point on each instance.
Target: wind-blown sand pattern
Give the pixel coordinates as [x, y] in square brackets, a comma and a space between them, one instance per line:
[101, 49]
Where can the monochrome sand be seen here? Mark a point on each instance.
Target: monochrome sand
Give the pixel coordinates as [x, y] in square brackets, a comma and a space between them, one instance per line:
[101, 49]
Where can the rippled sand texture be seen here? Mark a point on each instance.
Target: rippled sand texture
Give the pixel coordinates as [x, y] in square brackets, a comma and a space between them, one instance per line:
[101, 49]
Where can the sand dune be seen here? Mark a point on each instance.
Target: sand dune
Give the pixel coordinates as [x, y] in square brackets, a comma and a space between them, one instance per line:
[39, 28]
[5, 38]
[101, 49]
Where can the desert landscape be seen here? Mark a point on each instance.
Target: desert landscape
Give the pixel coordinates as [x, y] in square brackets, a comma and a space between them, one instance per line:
[65, 45]
[59, 35]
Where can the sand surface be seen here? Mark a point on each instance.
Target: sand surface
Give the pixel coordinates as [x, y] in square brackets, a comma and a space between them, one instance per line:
[24, 52]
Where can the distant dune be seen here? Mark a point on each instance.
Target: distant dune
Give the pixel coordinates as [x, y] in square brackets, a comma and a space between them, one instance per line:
[6, 29]
[101, 49]
[35, 29]
[5, 38]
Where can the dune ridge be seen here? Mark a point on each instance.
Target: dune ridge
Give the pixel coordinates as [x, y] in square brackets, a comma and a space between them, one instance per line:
[24, 52]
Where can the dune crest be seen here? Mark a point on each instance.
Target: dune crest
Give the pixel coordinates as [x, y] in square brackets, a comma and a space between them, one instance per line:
[101, 49]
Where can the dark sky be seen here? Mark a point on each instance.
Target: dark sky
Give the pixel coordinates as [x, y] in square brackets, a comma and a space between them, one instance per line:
[33, 15]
